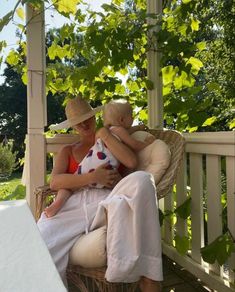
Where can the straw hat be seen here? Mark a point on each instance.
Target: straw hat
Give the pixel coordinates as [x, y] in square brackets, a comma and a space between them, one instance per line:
[77, 110]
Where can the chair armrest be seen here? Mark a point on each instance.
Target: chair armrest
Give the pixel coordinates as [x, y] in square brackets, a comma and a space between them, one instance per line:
[44, 197]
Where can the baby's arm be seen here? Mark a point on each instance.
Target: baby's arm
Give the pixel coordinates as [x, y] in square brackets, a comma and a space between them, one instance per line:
[127, 139]
[137, 128]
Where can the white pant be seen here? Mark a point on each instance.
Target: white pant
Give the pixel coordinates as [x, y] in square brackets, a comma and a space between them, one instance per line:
[133, 233]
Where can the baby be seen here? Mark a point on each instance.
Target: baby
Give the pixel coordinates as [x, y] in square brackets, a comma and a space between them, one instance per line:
[118, 118]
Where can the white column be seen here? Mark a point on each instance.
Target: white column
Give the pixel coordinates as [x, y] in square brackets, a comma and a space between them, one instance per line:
[36, 104]
[155, 100]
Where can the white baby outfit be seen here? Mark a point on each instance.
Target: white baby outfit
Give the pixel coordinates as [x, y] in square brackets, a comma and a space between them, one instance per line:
[97, 155]
[133, 231]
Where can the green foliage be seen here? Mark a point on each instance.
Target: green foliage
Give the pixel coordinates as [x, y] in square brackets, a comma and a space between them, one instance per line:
[182, 244]
[8, 188]
[197, 52]
[18, 194]
[219, 250]
[7, 160]
[184, 210]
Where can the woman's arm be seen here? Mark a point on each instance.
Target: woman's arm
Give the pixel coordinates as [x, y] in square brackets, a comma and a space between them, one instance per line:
[121, 151]
[62, 180]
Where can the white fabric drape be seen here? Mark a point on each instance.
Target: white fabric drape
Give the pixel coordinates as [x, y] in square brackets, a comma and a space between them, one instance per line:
[133, 232]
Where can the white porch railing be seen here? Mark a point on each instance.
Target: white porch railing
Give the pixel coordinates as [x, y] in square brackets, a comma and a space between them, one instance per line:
[201, 172]
[201, 175]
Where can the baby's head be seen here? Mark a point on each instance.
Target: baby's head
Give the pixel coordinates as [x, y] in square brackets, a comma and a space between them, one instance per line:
[118, 113]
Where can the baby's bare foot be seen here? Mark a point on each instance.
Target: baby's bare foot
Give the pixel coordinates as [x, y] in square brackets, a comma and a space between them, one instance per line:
[53, 208]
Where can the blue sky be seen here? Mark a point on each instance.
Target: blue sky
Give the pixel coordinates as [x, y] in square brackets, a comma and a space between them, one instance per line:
[52, 20]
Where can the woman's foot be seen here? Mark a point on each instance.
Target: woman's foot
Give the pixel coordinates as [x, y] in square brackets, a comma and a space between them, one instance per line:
[148, 285]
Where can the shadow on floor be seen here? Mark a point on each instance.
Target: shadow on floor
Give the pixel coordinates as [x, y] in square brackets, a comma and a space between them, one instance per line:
[177, 279]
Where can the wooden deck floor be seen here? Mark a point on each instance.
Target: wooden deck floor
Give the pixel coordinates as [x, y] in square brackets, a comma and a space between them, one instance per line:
[176, 279]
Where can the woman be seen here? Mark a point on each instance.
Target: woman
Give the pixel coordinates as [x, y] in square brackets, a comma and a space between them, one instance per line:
[133, 234]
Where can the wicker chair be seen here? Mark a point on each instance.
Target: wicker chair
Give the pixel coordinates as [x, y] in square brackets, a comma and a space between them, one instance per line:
[92, 279]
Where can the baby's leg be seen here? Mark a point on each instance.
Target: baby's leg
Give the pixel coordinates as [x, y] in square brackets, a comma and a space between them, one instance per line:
[61, 198]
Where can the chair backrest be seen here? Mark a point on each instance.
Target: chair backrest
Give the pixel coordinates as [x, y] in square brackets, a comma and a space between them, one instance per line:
[175, 142]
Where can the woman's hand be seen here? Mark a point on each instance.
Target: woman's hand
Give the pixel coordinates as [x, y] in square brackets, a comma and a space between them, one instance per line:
[107, 177]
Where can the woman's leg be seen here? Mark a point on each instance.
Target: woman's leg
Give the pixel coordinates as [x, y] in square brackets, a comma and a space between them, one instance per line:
[133, 233]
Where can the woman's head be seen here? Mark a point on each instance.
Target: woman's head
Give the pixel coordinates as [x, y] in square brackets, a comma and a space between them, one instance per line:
[77, 111]
[118, 113]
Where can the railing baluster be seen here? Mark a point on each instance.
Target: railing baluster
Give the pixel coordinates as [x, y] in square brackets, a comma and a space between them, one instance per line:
[230, 173]
[181, 196]
[196, 183]
[214, 206]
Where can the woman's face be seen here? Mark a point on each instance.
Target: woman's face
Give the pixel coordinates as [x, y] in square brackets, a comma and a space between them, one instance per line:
[87, 127]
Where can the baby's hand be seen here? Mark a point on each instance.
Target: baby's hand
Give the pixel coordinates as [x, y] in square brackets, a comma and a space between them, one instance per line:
[142, 127]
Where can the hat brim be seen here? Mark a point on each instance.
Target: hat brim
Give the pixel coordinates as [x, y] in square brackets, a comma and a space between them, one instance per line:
[72, 122]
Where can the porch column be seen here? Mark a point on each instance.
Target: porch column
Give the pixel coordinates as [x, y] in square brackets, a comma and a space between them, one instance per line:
[36, 105]
[155, 100]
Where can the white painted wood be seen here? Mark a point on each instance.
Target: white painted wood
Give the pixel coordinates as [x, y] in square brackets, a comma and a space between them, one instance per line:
[230, 173]
[36, 69]
[217, 149]
[25, 262]
[225, 137]
[35, 167]
[36, 155]
[196, 184]
[214, 207]
[212, 280]
[155, 99]
[181, 196]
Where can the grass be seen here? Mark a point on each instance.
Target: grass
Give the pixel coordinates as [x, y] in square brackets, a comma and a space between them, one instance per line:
[11, 188]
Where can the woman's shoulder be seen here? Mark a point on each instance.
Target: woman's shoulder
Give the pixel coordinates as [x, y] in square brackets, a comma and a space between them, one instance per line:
[69, 149]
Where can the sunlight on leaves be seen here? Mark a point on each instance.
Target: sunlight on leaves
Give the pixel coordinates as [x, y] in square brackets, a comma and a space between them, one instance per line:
[182, 244]
[196, 64]
[20, 13]
[195, 24]
[12, 58]
[201, 46]
[67, 6]
[192, 129]
[168, 74]
[232, 124]
[209, 121]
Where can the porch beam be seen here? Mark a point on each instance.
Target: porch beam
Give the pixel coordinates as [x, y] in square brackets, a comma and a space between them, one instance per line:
[155, 99]
[36, 105]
